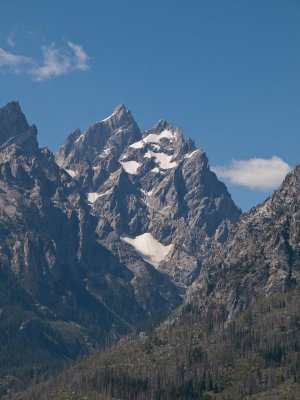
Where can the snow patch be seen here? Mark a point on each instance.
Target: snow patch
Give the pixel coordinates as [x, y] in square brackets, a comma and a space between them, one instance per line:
[137, 145]
[131, 167]
[148, 194]
[164, 160]
[154, 138]
[7, 142]
[148, 154]
[109, 191]
[150, 249]
[156, 146]
[71, 172]
[79, 139]
[92, 197]
[189, 155]
[106, 119]
[155, 170]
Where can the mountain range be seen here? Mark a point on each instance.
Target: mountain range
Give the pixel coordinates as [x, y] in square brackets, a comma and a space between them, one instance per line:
[122, 231]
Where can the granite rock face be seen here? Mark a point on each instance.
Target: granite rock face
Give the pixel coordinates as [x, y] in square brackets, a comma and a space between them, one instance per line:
[15, 129]
[260, 257]
[117, 229]
[149, 189]
[58, 281]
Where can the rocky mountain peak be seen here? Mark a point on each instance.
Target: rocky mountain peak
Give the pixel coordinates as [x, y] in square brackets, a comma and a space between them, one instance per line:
[161, 125]
[120, 110]
[134, 220]
[12, 121]
[111, 134]
[154, 183]
[14, 128]
[119, 117]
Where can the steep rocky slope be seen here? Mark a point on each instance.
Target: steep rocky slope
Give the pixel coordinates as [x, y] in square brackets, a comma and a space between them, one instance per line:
[92, 243]
[237, 336]
[156, 200]
[100, 240]
[261, 256]
[63, 293]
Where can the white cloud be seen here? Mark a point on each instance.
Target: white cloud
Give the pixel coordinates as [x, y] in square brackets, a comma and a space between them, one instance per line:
[13, 62]
[81, 58]
[10, 40]
[60, 61]
[256, 173]
[56, 61]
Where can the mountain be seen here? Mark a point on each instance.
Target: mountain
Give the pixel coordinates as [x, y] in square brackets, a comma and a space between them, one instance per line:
[128, 237]
[115, 132]
[99, 240]
[157, 201]
[260, 257]
[62, 293]
[254, 357]
[13, 126]
[236, 337]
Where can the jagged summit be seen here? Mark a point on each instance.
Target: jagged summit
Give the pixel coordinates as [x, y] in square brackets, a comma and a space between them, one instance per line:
[58, 282]
[162, 124]
[121, 109]
[127, 222]
[12, 121]
[14, 128]
[149, 183]
[114, 132]
[120, 115]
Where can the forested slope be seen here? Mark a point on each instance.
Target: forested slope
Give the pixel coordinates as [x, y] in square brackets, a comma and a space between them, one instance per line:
[257, 356]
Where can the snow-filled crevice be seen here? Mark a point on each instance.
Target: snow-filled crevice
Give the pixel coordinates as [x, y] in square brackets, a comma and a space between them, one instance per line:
[150, 249]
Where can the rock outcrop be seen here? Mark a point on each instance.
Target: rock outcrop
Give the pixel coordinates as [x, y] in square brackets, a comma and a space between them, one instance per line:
[261, 256]
[153, 185]
[62, 292]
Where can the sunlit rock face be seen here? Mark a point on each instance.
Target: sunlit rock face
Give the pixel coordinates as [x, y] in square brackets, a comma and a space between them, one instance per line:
[154, 183]
[63, 287]
[261, 256]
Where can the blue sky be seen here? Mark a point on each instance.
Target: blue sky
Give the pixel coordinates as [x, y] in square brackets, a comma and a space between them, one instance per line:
[226, 72]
